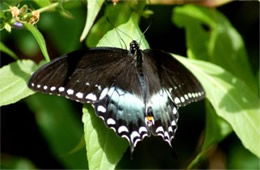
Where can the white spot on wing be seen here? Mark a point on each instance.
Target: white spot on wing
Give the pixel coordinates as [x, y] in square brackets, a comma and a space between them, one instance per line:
[177, 100]
[53, 88]
[38, 86]
[166, 134]
[122, 129]
[101, 108]
[173, 123]
[186, 97]
[61, 89]
[134, 134]
[111, 121]
[70, 91]
[87, 83]
[174, 110]
[170, 129]
[103, 93]
[159, 129]
[79, 95]
[33, 84]
[91, 96]
[142, 129]
[45, 87]
[182, 99]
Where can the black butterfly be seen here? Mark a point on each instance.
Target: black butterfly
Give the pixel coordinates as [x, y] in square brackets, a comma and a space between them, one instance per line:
[137, 93]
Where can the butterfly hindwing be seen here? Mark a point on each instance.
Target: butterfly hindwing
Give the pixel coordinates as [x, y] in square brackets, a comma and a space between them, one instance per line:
[122, 109]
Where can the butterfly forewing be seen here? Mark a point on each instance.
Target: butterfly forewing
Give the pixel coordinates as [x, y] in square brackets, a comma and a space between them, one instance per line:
[178, 81]
[80, 75]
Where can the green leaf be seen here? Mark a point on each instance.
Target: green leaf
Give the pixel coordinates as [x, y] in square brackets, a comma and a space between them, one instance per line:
[104, 148]
[122, 36]
[102, 25]
[93, 7]
[42, 3]
[6, 50]
[57, 120]
[39, 38]
[232, 100]
[211, 37]
[214, 125]
[9, 162]
[240, 158]
[13, 81]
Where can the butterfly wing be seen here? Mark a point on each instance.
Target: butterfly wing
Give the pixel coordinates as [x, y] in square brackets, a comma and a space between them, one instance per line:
[80, 75]
[104, 77]
[179, 82]
[169, 86]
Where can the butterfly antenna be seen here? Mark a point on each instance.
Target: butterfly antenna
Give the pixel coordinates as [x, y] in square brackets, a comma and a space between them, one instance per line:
[117, 33]
[144, 33]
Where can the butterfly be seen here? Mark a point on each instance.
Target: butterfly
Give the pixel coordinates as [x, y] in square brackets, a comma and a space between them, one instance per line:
[136, 92]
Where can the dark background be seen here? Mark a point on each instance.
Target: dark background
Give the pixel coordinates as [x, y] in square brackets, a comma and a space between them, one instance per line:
[18, 122]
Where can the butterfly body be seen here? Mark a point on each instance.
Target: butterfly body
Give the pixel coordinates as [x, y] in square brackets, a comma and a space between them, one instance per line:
[137, 93]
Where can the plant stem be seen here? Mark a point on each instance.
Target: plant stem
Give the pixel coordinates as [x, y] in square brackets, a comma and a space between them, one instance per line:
[46, 8]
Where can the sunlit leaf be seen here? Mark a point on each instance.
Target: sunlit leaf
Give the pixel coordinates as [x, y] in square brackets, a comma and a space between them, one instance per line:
[104, 147]
[13, 81]
[93, 7]
[232, 99]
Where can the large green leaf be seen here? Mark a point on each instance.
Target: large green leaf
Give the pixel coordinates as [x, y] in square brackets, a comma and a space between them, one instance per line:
[211, 37]
[56, 118]
[104, 148]
[94, 7]
[232, 99]
[13, 81]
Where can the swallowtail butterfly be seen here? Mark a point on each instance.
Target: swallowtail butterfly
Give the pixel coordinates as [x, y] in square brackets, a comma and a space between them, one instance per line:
[137, 92]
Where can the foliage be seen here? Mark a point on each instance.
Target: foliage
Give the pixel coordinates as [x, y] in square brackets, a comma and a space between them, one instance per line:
[232, 103]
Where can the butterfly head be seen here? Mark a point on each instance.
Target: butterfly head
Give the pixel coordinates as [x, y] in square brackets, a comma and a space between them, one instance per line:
[134, 47]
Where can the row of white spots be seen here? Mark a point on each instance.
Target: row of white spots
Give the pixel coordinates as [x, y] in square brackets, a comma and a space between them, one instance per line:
[134, 136]
[79, 95]
[165, 134]
[182, 99]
